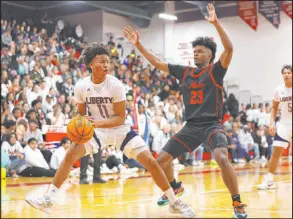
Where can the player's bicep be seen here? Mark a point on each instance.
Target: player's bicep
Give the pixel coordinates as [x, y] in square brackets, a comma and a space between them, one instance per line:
[120, 109]
[226, 57]
[81, 108]
[78, 93]
[163, 66]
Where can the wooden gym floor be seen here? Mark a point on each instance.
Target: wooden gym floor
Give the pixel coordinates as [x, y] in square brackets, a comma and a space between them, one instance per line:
[136, 197]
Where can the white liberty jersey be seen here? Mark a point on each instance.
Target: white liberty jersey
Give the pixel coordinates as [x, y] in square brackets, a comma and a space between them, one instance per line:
[283, 95]
[100, 98]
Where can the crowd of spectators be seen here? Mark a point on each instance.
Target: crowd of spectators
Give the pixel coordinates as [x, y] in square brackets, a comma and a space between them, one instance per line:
[38, 74]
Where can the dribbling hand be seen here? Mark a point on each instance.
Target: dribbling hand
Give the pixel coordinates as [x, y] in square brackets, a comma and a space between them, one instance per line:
[212, 18]
[132, 36]
[90, 119]
[272, 130]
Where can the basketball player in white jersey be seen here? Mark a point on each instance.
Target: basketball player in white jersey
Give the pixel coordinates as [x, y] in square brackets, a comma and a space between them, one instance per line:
[282, 100]
[105, 98]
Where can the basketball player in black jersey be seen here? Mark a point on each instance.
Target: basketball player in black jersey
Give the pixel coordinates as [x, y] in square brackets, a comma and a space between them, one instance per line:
[202, 88]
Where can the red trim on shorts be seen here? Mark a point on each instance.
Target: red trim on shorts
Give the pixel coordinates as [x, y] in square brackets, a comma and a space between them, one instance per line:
[182, 143]
[209, 138]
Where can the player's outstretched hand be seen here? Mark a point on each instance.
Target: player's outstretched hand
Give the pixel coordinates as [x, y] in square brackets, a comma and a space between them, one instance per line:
[212, 18]
[272, 130]
[132, 36]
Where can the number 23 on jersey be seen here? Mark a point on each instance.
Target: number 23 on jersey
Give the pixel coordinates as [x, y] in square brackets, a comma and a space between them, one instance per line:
[196, 97]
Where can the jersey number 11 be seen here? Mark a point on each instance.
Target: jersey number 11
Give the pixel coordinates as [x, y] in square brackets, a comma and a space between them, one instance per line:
[103, 111]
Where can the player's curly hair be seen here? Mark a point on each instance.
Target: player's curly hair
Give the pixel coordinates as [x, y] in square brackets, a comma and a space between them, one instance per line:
[92, 50]
[208, 43]
[286, 67]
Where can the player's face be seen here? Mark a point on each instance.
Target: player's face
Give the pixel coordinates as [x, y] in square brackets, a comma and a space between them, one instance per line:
[287, 75]
[100, 66]
[201, 55]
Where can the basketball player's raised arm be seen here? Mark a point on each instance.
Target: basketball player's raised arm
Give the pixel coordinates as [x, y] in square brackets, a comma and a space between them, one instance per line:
[133, 37]
[226, 56]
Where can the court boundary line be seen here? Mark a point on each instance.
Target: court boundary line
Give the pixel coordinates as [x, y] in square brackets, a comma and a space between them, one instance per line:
[145, 176]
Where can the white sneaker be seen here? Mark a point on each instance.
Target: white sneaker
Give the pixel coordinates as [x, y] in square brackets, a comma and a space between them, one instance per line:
[42, 203]
[267, 184]
[194, 163]
[241, 161]
[263, 159]
[115, 170]
[199, 163]
[180, 208]
[125, 170]
[133, 170]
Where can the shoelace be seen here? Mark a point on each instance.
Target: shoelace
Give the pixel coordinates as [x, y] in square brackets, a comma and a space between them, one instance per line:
[240, 208]
[180, 204]
[44, 201]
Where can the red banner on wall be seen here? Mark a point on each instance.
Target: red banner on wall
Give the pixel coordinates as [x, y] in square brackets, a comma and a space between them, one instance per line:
[287, 8]
[247, 11]
[271, 11]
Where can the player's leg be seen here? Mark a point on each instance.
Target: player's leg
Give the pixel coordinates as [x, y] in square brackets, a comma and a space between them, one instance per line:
[219, 144]
[279, 144]
[44, 203]
[181, 142]
[136, 148]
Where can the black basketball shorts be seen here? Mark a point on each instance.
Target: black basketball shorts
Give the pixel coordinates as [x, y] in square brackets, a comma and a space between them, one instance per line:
[193, 134]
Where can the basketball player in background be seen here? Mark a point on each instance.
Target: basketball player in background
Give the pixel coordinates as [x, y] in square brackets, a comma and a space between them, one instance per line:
[105, 97]
[202, 89]
[283, 135]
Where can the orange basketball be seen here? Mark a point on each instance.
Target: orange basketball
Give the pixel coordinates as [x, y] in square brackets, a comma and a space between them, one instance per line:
[80, 130]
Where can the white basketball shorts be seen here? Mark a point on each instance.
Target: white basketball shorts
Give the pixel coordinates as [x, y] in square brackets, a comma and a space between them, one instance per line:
[123, 138]
[283, 136]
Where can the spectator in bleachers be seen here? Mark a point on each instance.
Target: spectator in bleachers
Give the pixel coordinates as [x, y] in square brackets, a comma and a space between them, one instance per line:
[241, 151]
[143, 123]
[233, 105]
[59, 153]
[31, 115]
[228, 124]
[35, 163]
[15, 151]
[260, 141]
[10, 127]
[48, 104]
[34, 132]
[247, 142]
[249, 116]
[56, 117]
[160, 138]
[6, 38]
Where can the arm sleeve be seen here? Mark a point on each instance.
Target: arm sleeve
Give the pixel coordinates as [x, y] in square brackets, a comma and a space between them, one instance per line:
[219, 72]
[78, 91]
[120, 94]
[178, 71]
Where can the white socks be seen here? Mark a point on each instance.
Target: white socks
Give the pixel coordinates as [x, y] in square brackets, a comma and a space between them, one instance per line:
[271, 177]
[52, 192]
[171, 196]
